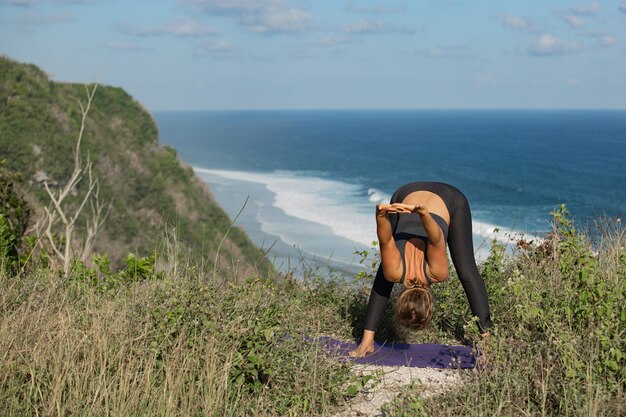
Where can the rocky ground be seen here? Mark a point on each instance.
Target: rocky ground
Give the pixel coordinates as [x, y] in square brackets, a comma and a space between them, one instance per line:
[387, 383]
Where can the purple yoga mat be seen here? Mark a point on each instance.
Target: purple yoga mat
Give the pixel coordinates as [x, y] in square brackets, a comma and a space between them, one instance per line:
[427, 355]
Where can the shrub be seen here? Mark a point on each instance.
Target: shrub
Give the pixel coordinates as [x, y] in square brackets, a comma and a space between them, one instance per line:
[14, 220]
[137, 342]
[558, 346]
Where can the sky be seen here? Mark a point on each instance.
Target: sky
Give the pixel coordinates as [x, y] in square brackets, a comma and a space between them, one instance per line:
[330, 54]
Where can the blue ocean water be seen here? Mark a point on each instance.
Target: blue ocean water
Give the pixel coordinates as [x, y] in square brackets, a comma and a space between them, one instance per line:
[315, 176]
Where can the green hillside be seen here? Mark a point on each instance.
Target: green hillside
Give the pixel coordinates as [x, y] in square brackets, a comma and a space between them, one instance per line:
[149, 189]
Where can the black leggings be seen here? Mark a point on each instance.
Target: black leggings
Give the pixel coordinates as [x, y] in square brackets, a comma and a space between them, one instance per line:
[461, 250]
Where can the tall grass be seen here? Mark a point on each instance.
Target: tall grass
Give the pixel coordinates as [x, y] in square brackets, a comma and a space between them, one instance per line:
[559, 345]
[177, 341]
[180, 345]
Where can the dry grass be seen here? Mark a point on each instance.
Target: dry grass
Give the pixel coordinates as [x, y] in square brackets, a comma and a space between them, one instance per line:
[188, 343]
[173, 347]
[559, 345]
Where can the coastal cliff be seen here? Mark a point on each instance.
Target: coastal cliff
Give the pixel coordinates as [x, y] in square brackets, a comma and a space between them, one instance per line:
[151, 193]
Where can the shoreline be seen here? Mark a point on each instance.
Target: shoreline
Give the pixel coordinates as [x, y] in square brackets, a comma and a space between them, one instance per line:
[295, 245]
[247, 202]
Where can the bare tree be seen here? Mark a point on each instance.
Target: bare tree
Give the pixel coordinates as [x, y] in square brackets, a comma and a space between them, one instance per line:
[67, 246]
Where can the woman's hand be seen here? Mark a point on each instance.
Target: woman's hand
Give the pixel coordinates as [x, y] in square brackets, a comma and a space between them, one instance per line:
[383, 209]
[410, 208]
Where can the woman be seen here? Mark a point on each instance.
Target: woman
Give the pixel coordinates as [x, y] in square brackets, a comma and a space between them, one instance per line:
[412, 234]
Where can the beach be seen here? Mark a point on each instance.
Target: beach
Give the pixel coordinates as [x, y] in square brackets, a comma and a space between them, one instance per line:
[292, 243]
[296, 230]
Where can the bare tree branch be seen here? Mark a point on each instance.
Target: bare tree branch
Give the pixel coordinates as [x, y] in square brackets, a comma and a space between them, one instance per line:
[68, 217]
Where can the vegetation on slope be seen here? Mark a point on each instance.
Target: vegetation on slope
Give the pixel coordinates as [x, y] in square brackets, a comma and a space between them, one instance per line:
[163, 344]
[559, 347]
[181, 341]
[148, 188]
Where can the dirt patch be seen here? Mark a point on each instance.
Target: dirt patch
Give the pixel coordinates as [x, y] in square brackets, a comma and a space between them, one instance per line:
[388, 381]
[61, 117]
[184, 207]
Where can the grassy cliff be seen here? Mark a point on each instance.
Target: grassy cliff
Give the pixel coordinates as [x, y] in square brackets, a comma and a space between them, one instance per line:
[149, 190]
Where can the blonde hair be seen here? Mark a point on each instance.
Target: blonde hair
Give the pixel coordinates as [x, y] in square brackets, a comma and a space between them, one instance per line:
[414, 308]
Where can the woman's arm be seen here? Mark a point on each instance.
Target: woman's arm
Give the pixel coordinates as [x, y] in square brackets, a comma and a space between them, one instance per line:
[436, 256]
[381, 290]
[390, 258]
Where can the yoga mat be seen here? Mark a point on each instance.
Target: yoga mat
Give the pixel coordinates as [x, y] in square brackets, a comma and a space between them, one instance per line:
[427, 355]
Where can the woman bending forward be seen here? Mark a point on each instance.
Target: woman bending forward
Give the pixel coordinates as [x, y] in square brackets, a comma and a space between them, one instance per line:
[412, 233]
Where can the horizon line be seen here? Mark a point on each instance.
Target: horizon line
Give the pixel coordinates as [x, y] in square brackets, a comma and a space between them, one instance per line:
[398, 109]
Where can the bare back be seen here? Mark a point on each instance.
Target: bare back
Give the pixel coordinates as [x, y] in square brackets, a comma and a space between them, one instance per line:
[431, 201]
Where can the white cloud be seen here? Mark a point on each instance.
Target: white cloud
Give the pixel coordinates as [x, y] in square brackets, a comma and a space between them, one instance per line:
[230, 6]
[608, 40]
[19, 3]
[572, 16]
[486, 78]
[371, 27]
[214, 48]
[123, 46]
[28, 3]
[277, 20]
[447, 51]
[330, 41]
[77, 1]
[573, 81]
[375, 9]
[43, 19]
[603, 39]
[363, 26]
[622, 7]
[261, 16]
[516, 22]
[585, 9]
[333, 43]
[574, 21]
[547, 45]
[301, 52]
[180, 28]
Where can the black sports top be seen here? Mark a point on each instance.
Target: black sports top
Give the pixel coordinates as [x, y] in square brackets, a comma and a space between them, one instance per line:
[410, 226]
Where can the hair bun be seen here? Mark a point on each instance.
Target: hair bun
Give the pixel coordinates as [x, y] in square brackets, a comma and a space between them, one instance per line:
[413, 309]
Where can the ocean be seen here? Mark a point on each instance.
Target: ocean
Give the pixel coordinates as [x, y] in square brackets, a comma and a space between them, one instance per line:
[303, 184]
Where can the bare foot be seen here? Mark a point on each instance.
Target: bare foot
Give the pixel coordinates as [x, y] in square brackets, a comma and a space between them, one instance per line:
[362, 350]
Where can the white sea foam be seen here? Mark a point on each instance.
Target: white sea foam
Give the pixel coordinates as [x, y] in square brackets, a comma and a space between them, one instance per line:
[377, 196]
[333, 204]
[339, 206]
[501, 234]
